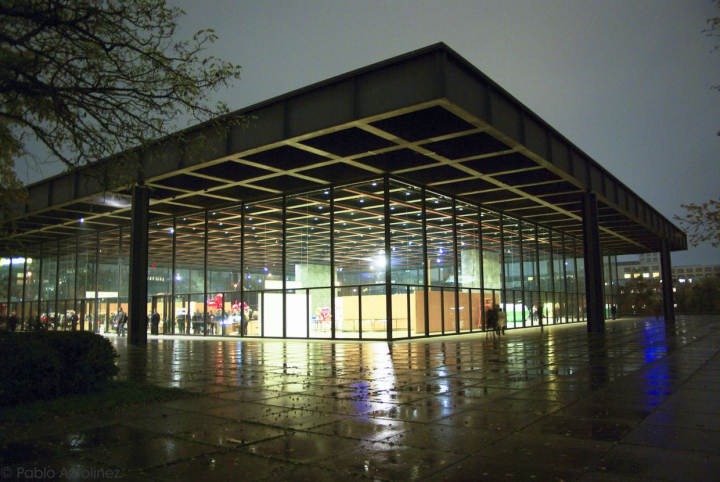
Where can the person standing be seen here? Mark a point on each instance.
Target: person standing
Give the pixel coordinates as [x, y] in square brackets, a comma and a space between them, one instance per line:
[181, 323]
[13, 321]
[73, 320]
[121, 320]
[244, 319]
[196, 322]
[155, 320]
[492, 317]
[613, 311]
[540, 315]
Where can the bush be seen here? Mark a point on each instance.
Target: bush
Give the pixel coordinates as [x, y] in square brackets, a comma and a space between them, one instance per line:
[46, 365]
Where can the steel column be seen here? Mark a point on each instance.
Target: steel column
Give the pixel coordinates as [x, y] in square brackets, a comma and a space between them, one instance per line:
[593, 264]
[667, 285]
[137, 306]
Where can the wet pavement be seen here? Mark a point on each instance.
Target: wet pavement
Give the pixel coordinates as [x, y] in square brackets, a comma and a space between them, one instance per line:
[640, 402]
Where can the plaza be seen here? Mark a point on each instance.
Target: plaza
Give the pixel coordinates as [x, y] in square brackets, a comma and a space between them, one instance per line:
[636, 403]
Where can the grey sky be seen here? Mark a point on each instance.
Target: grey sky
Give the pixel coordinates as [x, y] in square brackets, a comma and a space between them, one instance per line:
[629, 82]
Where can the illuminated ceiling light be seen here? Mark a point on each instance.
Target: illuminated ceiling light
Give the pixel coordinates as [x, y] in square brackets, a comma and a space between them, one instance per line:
[82, 220]
[374, 183]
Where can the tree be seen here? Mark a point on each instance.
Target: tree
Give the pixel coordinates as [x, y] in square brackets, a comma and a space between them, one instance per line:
[713, 30]
[702, 222]
[640, 296]
[92, 78]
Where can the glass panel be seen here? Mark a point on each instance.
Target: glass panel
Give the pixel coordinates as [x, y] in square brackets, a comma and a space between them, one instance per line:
[123, 272]
[571, 279]
[491, 244]
[224, 260]
[87, 251]
[263, 261]
[308, 261]
[4, 285]
[441, 257]
[160, 241]
[374, 312]
[406, 235]
[347, 313]
[360, 260]
[183, 315]
[530, 282]
[544, 256]
[254, 302]
[468, 241]
[441, 250]
[298, 318]
[401, 308]
[49, 277]
[320, 319]
[308, 241]
[197, 320]
[464, 309]
[513, 280]
[16, 288]
[32, 283]
[189, 261]
[66, 283]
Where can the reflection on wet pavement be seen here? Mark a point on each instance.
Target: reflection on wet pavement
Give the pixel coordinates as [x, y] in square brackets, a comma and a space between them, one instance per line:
[558, 404]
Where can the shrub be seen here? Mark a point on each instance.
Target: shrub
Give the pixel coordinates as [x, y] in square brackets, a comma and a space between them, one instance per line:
[46, 365]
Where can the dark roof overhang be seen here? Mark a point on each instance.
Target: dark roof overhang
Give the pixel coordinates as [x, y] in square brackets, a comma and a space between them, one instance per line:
[428, 117]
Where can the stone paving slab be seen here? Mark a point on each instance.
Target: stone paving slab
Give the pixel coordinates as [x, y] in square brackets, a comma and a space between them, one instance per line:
[638, 403]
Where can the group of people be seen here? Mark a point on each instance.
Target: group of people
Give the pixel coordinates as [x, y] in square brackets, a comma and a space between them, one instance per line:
[184, 322]
[496, 320]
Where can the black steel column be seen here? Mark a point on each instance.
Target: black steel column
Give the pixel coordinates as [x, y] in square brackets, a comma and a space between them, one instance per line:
[667, 285]
[481, 254]
[96, 324]
[81, 322]
[173, 271]
[10, 283]
[137, 306]
[57, 283]
[205, 273]
[522, 271]
[333, 273]
[283, 258]
[503, 287]
[593, 264]
[35, 324]
[243, 208]
[456, 273]
[541, 305]
[551, 238]
[388, 260]
[24, 291]
[426, 262]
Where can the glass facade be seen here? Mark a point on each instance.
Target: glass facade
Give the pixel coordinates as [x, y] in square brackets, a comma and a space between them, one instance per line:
[380, 259]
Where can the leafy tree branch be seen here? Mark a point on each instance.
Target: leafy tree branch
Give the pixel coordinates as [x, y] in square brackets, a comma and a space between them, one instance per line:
[92, 78]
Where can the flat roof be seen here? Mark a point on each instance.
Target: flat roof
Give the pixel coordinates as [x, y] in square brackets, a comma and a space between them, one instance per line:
[428, 117]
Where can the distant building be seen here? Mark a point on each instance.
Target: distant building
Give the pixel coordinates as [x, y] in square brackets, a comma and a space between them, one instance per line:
[648, 266]
[692, 273]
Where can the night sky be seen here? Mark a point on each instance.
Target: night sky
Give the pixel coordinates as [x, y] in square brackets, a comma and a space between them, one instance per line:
[629, 82]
